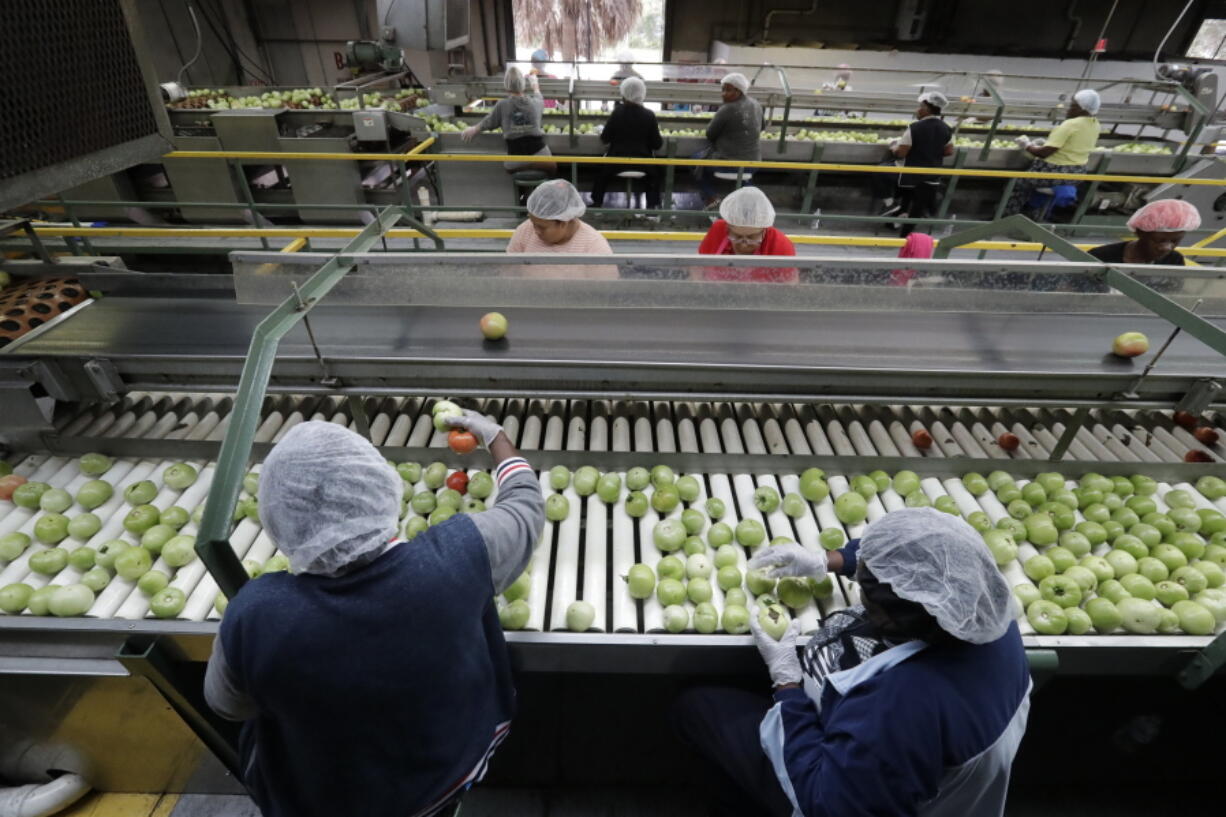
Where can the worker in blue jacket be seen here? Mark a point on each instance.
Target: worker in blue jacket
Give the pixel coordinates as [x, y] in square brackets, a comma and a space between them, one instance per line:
[913, 703]
[373, 677]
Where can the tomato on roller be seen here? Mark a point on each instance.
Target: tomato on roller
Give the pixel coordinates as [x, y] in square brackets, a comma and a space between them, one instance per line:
[458, 480]
[462, 442]
[10, 483]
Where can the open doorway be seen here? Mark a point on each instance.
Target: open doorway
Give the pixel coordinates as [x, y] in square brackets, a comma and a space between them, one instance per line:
[592, 43]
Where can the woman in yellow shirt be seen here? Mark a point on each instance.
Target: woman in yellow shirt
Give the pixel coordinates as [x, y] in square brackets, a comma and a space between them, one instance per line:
[1066, 150]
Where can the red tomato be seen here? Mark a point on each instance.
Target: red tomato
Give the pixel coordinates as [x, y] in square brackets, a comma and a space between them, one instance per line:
[1206, 435]
[462, 442]
[1184, 420]
[9, 484]
[1197, 456]
[458, 480]
[921, 439]
[1008, 442]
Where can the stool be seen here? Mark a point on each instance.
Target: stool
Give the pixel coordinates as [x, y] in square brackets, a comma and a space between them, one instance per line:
[527, 180]
[1047, 198]
[630, 176]
[740, 177]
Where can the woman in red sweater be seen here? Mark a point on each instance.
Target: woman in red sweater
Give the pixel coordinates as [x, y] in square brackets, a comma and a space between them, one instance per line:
[747, 229]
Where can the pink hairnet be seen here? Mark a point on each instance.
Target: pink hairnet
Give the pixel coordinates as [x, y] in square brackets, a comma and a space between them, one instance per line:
[918, 245]
[1165, 216]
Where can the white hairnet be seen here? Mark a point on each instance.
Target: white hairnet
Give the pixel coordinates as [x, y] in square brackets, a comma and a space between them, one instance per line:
[514, 80]
[634, 90]
[327, 497]
[938, 561]
[1165, 216]
[747, 207]
[1089, 100]
[995, 78]
[557, 200]
[934, 99]
[843, 71]
[738, 81]
[625, 57]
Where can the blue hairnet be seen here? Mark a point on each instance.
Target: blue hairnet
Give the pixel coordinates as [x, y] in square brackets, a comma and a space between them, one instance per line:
[938, 561]
[327, 498]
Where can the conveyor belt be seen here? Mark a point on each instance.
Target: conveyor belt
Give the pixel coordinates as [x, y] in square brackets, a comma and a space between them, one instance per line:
[195, 344]
[585, 555]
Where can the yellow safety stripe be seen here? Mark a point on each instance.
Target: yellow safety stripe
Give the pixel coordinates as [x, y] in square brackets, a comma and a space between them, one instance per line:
[115, 804]
[277, 156]
[303, 233]
[295, 245]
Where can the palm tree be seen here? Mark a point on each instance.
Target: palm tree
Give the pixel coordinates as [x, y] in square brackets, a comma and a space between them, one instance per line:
[575, 28]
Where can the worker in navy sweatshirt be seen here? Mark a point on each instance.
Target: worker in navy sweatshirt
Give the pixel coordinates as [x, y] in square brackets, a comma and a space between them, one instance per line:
[913, 703]
[373, 677]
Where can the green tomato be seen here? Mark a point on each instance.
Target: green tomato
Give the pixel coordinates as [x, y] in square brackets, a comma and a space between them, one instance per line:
[168, 602]
[1051, 482]
[735, 619]
[520, 588]
[998, 480]
[140, 493]
[442, 513]
[832, 538]
[750, 533]
[698, 590]
[585, 480]
[694, 544]
[174, 516]
[916, 499]
[608, 488]
[688, 488]
[94, 493]
[83, 558]
[180, 550]
[71, 600]
[579, 616]
[670, 591]
[640, 581]
[435, 475]
[706, 618]
[662, 475]
[906, 482]
[15, 597]
[1179, 499]
[670, 567]
[449, 498]
[481, 485]
[28, 494]
[851, 508]
[410, 472]
[665, 498]
[156, 537]
[636, 504]
[693, 520]
[979, 521]
[514, 616]
[676, 618]
[423, 502]
[1033, 493]
[881, 479]
[94, 464]
[13, 545]
[719, 534]
[96, 578]
[55, 500]
[637, 478]
[40, 600]
[668, 535]
[975, 483]
[813, 486]
[141, 518]
[107, 552]
[153, 582]
[277, 563]
[715, 508]
[49, 562]
[132, 563]
[83, 526]
[557, 508]
[864, 486]
[51, 528]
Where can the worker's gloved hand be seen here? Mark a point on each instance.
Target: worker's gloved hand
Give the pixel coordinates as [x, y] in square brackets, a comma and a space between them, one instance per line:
[780, 656]
[1023, 141]
[790, 559]
[894, 143]
[478, 424]
[468, 133]
[534, 83]
[1040, 142]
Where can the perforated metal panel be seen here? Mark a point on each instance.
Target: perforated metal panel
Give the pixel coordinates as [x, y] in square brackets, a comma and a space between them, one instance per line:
[71, 87]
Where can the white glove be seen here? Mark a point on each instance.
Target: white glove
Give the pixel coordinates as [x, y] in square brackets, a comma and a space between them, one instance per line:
[478, 424]
[780, 656]
[894, 143]
[1023, 141]
[534, 84]
[1040, 142]
[468, 133]
[790, 559]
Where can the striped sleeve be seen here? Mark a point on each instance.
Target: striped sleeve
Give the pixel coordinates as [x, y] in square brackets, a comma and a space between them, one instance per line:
[509, 467]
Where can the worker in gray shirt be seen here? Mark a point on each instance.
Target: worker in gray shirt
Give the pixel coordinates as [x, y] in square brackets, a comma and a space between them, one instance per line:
[518, 116]
[735, 132]
[373, 677]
